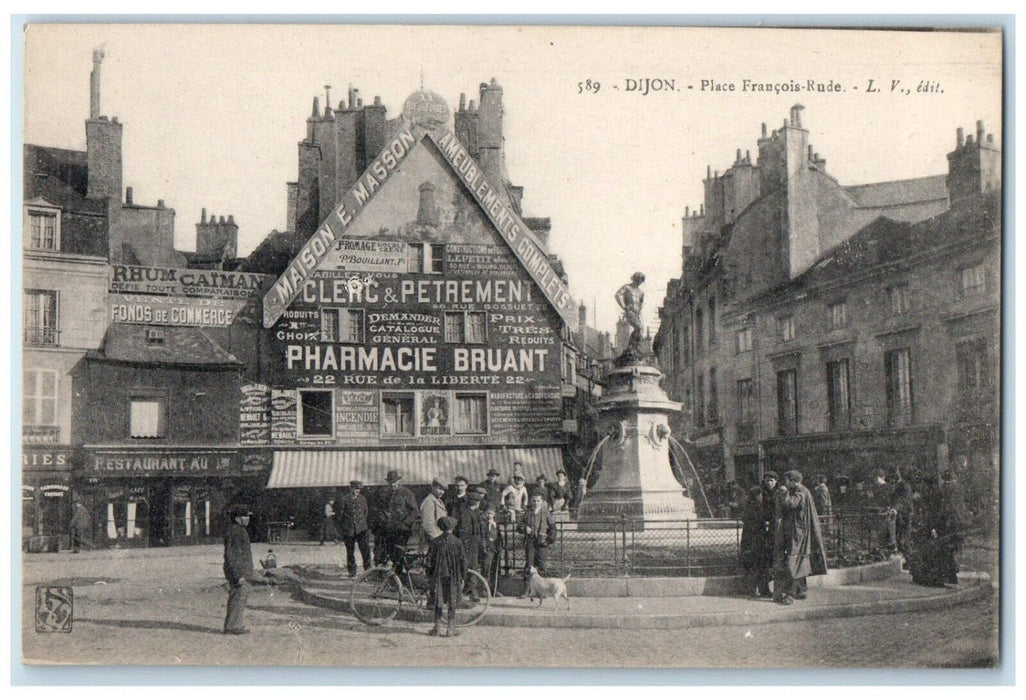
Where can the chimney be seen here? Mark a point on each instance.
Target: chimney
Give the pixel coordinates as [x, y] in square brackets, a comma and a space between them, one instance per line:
[128, 196]
[490, 133]
[352, 96]
[94, 85]
[796, 116]
[959, 137]
[103, 144]
[327, 100]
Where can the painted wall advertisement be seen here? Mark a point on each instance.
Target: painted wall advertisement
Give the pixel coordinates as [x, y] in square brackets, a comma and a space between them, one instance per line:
[174, 297]
[255, 415]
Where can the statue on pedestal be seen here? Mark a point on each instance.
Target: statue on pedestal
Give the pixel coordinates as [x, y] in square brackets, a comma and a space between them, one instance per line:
[631, 298]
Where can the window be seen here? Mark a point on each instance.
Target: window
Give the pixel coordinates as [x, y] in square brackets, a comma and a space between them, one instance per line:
[342, 325]
[973, 280]
[744, 340]
[465, 327]
[39, 403]
[428, 259]
[471, 415]
[39, 317]
[700, 402]
[154, 336]
[146, 416]
[714, 399]
[744, 401]
[43, 230]
[397, 413]
[316, 412]
[787, 402]
[837, 313]
[897, 296]
[687, 345]
[839, 394]
[785, 328]
[898, 370]
[699, 329]
[973, 367]
[712, 320]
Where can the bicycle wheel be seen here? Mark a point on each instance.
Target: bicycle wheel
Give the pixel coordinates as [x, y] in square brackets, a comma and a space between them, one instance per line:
[476, 599]
[375, 596]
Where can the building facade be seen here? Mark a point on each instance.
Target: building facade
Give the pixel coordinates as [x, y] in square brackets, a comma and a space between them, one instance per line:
[840, 329]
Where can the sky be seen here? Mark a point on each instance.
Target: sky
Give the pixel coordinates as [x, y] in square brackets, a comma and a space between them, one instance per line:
[213, 115]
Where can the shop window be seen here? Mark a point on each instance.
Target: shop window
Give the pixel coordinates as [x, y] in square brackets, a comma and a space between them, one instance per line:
[397, 413]
[839, 394]
[898, 371]
[43, 229]
[837, 315]
[787, 402]
[785, 328]
[316, 413]
[471, 416]
[897, 297]
[342, 325]
[39, 402]
[147, 416]
[465, 327]
[435, 415]
[973, 280]
[428, 259]
[973, 366]
[39, 318]
[744, 340]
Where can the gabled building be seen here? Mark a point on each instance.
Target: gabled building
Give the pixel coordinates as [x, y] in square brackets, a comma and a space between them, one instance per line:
[420, 324]
[832, 326]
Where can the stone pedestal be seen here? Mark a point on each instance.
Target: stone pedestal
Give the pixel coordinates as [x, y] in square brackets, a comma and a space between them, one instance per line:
[636, 481]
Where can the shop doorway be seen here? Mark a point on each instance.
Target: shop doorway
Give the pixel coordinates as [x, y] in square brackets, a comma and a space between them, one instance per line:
[160, 516]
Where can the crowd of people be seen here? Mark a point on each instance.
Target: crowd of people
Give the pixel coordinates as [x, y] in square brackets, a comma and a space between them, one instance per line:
[785, 527]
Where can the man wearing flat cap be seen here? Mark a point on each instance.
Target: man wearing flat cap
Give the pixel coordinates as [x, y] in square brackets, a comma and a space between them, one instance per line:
[470, 528]
[353, 524]
[798, 545]
[399, 516]
[238, 566]
[446, 567]
[431, 509]
[757, 525]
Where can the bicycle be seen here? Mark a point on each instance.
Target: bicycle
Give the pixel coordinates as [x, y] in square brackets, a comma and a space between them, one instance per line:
[378, 594]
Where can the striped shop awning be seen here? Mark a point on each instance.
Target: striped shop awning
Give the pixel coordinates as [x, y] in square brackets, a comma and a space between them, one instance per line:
[326, 468]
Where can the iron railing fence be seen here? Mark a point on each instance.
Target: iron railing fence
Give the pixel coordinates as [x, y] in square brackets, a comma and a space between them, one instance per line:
[708, 547]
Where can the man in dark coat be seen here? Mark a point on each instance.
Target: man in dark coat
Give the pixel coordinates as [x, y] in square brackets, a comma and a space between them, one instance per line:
[353, 523]
[493, 490]
[446, 567]
[81, 527]
[757, 537]
[470, 529]
[798, 543]
[492, 561]
[539, 528]
[455, 500]
[399, 515]
[902, 505]
[238, 566]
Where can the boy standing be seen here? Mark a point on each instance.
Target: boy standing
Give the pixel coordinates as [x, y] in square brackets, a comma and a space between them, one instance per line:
[446, 569]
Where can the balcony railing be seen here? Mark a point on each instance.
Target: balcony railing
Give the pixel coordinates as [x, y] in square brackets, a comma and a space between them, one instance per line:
[40, 434]
[45, 336]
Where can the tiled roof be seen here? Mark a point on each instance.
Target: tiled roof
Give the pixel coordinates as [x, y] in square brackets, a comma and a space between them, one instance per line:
[897, 192]
[181, 346]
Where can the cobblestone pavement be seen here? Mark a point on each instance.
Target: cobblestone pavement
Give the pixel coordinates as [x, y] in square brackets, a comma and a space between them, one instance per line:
[169, 611]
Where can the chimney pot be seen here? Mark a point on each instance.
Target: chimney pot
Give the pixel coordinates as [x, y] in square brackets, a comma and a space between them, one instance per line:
[316, 108]
[128, 195]
[221, 220]
[990, 138]
[359, 102]
[473, 106]
[160, 204]
[737, 156]
[764, 129]
[979, 130]
[959, 137]
[463, 101]
[203, 215]
[377, 100]
[231, 219]
[687, 211]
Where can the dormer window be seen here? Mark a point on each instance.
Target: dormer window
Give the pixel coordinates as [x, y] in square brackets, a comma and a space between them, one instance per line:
[42, 229]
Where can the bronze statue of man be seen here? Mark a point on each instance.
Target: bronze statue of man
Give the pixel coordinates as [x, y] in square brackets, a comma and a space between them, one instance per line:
[630, 298]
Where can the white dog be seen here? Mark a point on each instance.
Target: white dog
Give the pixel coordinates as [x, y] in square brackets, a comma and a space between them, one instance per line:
[540, 587]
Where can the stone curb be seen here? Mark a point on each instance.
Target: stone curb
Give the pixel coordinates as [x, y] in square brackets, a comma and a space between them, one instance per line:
[800, 611]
